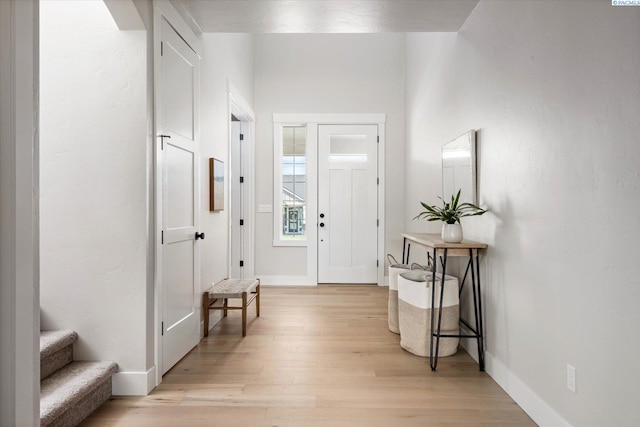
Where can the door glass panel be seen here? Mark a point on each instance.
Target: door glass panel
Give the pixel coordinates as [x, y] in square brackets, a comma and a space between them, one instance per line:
[294, 182]
[348, 148]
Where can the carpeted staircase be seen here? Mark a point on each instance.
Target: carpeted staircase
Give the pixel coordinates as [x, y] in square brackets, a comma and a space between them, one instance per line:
[69, 390]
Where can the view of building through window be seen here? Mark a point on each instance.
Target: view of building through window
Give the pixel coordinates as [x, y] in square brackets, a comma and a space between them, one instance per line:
[294, 182]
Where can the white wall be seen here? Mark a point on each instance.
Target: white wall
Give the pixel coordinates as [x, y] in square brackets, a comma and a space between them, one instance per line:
[145, 11]
[553, 89]
[328, 73]
[94, 182]
[226, 58]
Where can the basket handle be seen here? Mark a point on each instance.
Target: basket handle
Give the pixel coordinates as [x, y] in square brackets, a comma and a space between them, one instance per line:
[417, 266]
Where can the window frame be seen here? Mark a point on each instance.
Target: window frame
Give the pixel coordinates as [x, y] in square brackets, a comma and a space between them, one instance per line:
[278, 156]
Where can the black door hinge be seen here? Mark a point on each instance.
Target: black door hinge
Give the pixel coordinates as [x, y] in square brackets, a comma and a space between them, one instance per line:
[241, 263]
[378, 138]
[242, 222]
[162, 328]
[377, 223]
[162, 137]
[161, 48]
[241, 137]
[162, 237]
[378, 181]
[241, 179]
[377, 263]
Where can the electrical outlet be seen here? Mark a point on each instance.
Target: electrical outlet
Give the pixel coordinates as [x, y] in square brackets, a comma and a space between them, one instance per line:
[571, 378]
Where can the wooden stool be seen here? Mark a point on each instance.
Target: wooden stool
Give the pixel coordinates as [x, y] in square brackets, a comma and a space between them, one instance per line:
[231, 288]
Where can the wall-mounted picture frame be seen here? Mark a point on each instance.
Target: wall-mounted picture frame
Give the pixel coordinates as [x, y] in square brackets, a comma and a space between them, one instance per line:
[216, 185]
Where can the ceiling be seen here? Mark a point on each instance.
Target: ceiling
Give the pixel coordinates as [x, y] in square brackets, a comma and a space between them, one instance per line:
[324, 16]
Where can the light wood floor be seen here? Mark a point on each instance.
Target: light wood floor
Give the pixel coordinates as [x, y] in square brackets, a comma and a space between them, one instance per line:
[317, 356]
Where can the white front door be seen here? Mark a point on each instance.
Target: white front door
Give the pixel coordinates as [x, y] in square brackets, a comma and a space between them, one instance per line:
[179, 160]
[347, 203]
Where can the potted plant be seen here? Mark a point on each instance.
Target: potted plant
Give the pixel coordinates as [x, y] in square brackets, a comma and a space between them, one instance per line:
[450, 214]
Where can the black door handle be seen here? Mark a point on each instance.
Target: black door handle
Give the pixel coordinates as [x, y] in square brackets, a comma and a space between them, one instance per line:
[322, 224]
[321, 215]
[199, 236]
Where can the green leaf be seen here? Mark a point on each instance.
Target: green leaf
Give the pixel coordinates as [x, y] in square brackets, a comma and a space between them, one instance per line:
[454, 203]
[449, 212]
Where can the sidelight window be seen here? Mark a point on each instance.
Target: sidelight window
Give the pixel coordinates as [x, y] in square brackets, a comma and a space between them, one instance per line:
[291, 185]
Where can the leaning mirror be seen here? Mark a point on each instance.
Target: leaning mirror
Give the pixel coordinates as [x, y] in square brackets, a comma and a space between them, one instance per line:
[459, 168]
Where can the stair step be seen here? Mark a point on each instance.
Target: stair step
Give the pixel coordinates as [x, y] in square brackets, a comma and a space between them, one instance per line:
[56, 350]
[72, 393]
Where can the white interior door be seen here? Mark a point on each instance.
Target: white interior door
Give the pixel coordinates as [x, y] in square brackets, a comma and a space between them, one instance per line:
[237, 201]
[177, 123]
[347, 203]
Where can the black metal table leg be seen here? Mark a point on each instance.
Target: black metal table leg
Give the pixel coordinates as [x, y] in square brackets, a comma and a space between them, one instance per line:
[478, 332]
[404, 247]
[476, 309]
[480, 326]
[464, 278]
[433, 297]
[442, 280]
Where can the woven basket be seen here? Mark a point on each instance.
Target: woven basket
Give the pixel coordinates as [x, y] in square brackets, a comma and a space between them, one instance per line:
[394, 271]
[414, 312]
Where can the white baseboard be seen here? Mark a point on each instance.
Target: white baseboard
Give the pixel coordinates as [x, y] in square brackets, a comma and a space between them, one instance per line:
[539, 411]
[297, 281]
[386, 281]
[133, 383]
[469, 344]
[286, 281]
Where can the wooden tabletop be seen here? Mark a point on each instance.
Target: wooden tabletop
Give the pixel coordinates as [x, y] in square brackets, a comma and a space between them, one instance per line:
[433, 240]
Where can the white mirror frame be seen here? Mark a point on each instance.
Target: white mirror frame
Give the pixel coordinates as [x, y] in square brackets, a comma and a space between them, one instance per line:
[454, 152]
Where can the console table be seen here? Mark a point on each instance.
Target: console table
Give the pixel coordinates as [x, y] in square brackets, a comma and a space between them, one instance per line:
[442, 250]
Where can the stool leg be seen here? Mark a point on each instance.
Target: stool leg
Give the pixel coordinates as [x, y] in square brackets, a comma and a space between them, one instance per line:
[258, 300]
[205, 311]
[244, 314]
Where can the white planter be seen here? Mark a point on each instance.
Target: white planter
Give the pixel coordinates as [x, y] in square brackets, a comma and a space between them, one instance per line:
[452, 233]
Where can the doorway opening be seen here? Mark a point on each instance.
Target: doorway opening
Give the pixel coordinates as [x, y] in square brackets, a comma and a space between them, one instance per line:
[241, 186]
